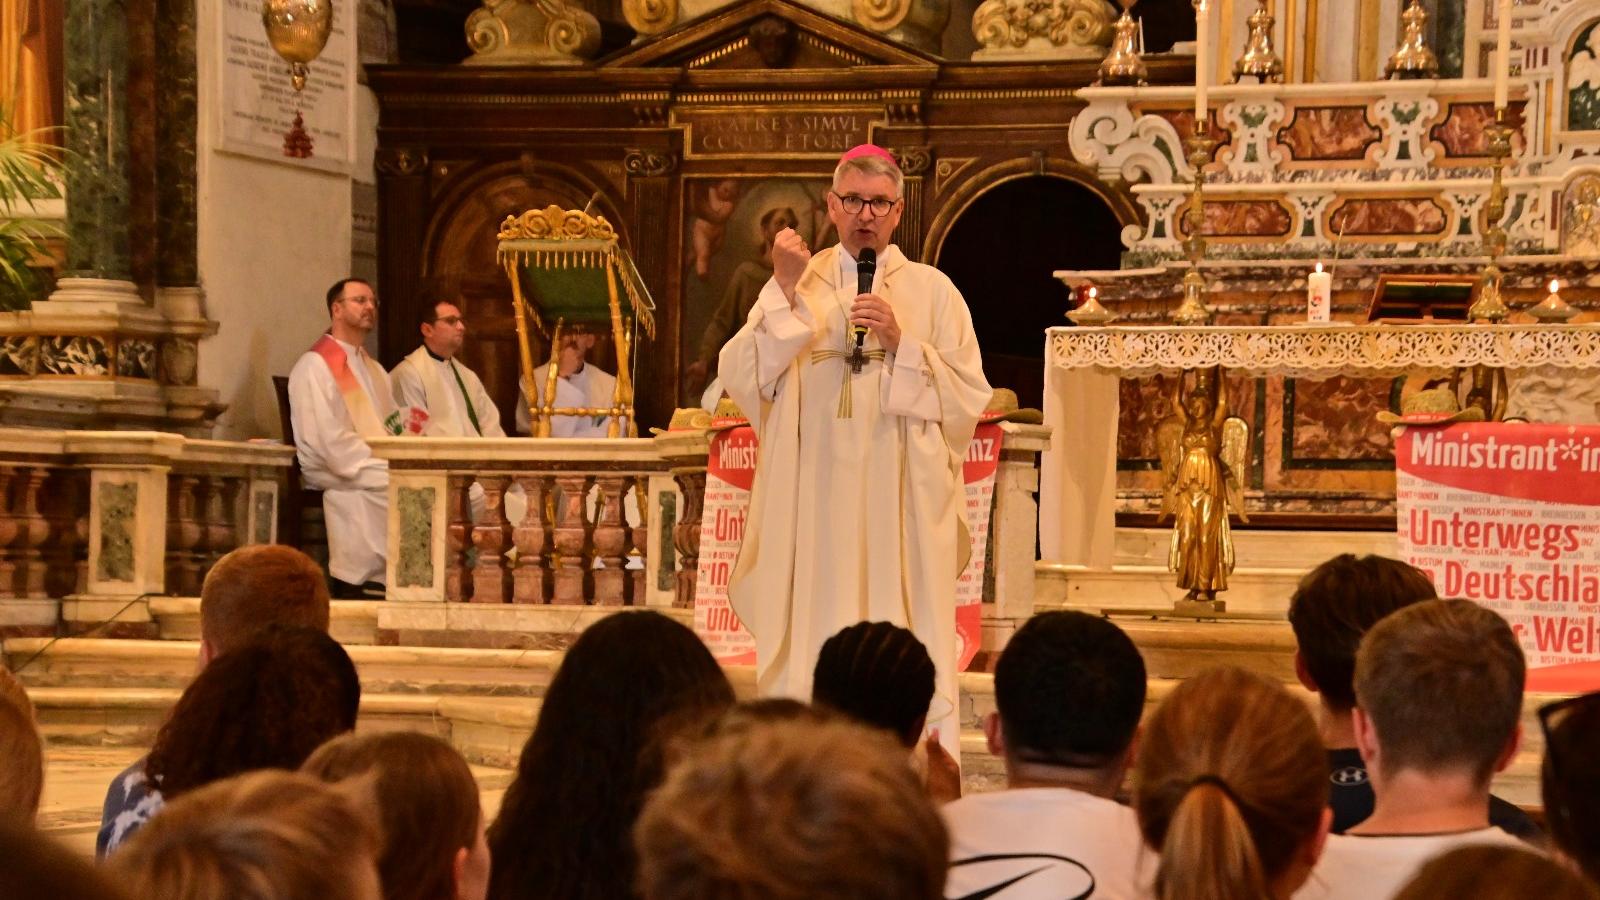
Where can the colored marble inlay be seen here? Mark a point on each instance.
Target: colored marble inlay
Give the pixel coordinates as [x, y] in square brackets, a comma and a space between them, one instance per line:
[82, 355]
[136, 359]
[1332, 422]
[118, 504]
[19, 355]
[667, 557]
[1329, 133]
[414, 568]
[1583, 80]
[1242, 218]
[1462, 133]
[1383, 217]
[266, 508]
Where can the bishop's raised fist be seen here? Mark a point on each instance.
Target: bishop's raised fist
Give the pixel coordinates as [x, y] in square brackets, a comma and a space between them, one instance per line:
[789, 258]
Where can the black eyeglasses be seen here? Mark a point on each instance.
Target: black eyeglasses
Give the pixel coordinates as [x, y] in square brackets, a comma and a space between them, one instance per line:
[449, 320]
[853, 205]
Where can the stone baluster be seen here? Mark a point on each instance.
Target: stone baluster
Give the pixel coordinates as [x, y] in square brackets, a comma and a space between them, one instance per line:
[10, 529]
[532, 539]
[491, 577]
[66, 507]
[686, 535]
[31, 536]
[222, 518]
[184, 534]
[571, 538]
[458, 509]
[640, 534]
[610, 541]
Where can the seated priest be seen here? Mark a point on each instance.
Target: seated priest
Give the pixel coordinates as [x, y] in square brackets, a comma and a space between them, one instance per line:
[338, 398]
[432, 379]
[579, 383]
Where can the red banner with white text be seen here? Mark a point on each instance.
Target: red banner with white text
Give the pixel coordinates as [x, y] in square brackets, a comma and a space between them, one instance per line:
[1508, 515]
[730, 472]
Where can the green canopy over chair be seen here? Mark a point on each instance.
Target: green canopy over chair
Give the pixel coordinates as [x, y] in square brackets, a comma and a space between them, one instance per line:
[567, 271]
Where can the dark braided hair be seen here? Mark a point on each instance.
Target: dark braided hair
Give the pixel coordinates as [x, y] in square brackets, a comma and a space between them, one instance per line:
[878, 674]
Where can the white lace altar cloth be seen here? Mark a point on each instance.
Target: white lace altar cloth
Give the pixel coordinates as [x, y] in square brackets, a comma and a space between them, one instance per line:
[1321, 351]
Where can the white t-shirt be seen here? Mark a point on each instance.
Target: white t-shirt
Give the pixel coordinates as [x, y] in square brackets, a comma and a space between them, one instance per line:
[1045, 844]
[1376, 867]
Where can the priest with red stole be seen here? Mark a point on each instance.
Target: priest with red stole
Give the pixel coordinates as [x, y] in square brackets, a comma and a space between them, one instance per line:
[856, 510]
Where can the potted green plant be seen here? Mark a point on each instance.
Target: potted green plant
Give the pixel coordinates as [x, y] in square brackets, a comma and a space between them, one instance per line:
[30, 171]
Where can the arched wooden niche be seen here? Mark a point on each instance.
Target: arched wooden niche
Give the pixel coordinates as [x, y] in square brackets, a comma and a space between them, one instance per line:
[1001, 236]
[459, 259]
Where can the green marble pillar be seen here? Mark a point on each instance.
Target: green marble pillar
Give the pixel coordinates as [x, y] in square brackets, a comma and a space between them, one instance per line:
[97, 139]
[176, 124]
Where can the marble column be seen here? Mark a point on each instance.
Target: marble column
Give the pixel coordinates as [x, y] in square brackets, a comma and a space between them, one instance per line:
[177, 102]
[97, 178]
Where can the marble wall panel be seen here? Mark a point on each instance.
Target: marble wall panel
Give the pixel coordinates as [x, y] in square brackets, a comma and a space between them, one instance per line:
[1242, 218]
[118, 504]
[74, 355]
[1385, 217]
[1322, 133]
[414, 568]
[1461, 133]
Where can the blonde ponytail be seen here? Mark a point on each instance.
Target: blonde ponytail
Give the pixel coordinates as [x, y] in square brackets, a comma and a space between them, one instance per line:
[1229, 786]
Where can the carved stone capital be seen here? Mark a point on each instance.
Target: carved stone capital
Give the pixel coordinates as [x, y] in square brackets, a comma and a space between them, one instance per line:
[1044, 29]
[650, 17]
[919, 23]
[914, 161]
[401, 160]
[531, 32]
[648, 163]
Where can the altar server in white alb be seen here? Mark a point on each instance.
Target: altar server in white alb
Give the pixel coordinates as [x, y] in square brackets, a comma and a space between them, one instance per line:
[579, 384]
[431, 378]
[338, 398]
[856, 511]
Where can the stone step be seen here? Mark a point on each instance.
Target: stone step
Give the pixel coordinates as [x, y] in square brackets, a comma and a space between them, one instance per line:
[1260, 549]
[1261, 593]
[349, 621]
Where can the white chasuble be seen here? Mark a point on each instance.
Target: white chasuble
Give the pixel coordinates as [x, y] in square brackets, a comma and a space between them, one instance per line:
[856, 510]
[452, 394]
[330, 441]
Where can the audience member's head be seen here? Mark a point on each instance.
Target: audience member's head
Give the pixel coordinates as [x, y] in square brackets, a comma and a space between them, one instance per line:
[265, 705]
[36, 866]
[1439, 692]
[792, 810]
[878, 674]
[1335, 604]
[255, 587]
[1570, 782]
[21, 750]
[628, 686]
[1230, 789]
[1496, 872]
[260, 836]
[1069, 689]
[428, 810]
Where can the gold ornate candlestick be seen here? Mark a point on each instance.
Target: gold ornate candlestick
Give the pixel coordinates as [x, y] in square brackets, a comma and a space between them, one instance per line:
[1193, 310]
[1491, 306]
[1413, 58]
[1123, 67]
[1259, 59]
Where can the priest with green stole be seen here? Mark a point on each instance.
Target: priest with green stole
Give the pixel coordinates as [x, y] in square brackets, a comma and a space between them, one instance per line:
[860, 373]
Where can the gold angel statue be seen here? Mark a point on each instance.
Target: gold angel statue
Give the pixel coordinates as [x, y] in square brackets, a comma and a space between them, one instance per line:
[1204, 455]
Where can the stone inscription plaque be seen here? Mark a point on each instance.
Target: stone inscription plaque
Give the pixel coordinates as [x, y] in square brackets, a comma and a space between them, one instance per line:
[748, 132]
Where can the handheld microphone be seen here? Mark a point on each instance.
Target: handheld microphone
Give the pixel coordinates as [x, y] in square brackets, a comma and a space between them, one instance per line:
[866, 267]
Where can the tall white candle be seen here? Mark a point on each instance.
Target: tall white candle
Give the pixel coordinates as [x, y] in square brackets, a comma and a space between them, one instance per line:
[1319, 295]
[1201, 38]
[1502, 56]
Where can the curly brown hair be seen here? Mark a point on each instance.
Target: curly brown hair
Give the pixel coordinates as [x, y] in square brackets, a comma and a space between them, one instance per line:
[266, 705]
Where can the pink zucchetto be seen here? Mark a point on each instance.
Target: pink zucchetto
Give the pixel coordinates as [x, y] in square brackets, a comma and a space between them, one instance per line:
[869, 150]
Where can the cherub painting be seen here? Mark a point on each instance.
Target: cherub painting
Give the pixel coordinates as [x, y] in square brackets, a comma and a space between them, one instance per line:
[1204, 455]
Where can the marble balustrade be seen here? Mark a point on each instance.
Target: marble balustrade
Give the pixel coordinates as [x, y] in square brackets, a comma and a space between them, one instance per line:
[612, 522]
[92, 523]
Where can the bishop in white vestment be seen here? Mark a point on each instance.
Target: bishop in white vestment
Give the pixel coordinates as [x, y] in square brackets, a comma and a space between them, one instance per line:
[338, 397]
[856, 511]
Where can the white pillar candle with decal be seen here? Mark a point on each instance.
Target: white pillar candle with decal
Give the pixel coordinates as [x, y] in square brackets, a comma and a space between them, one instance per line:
[1319, 295]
